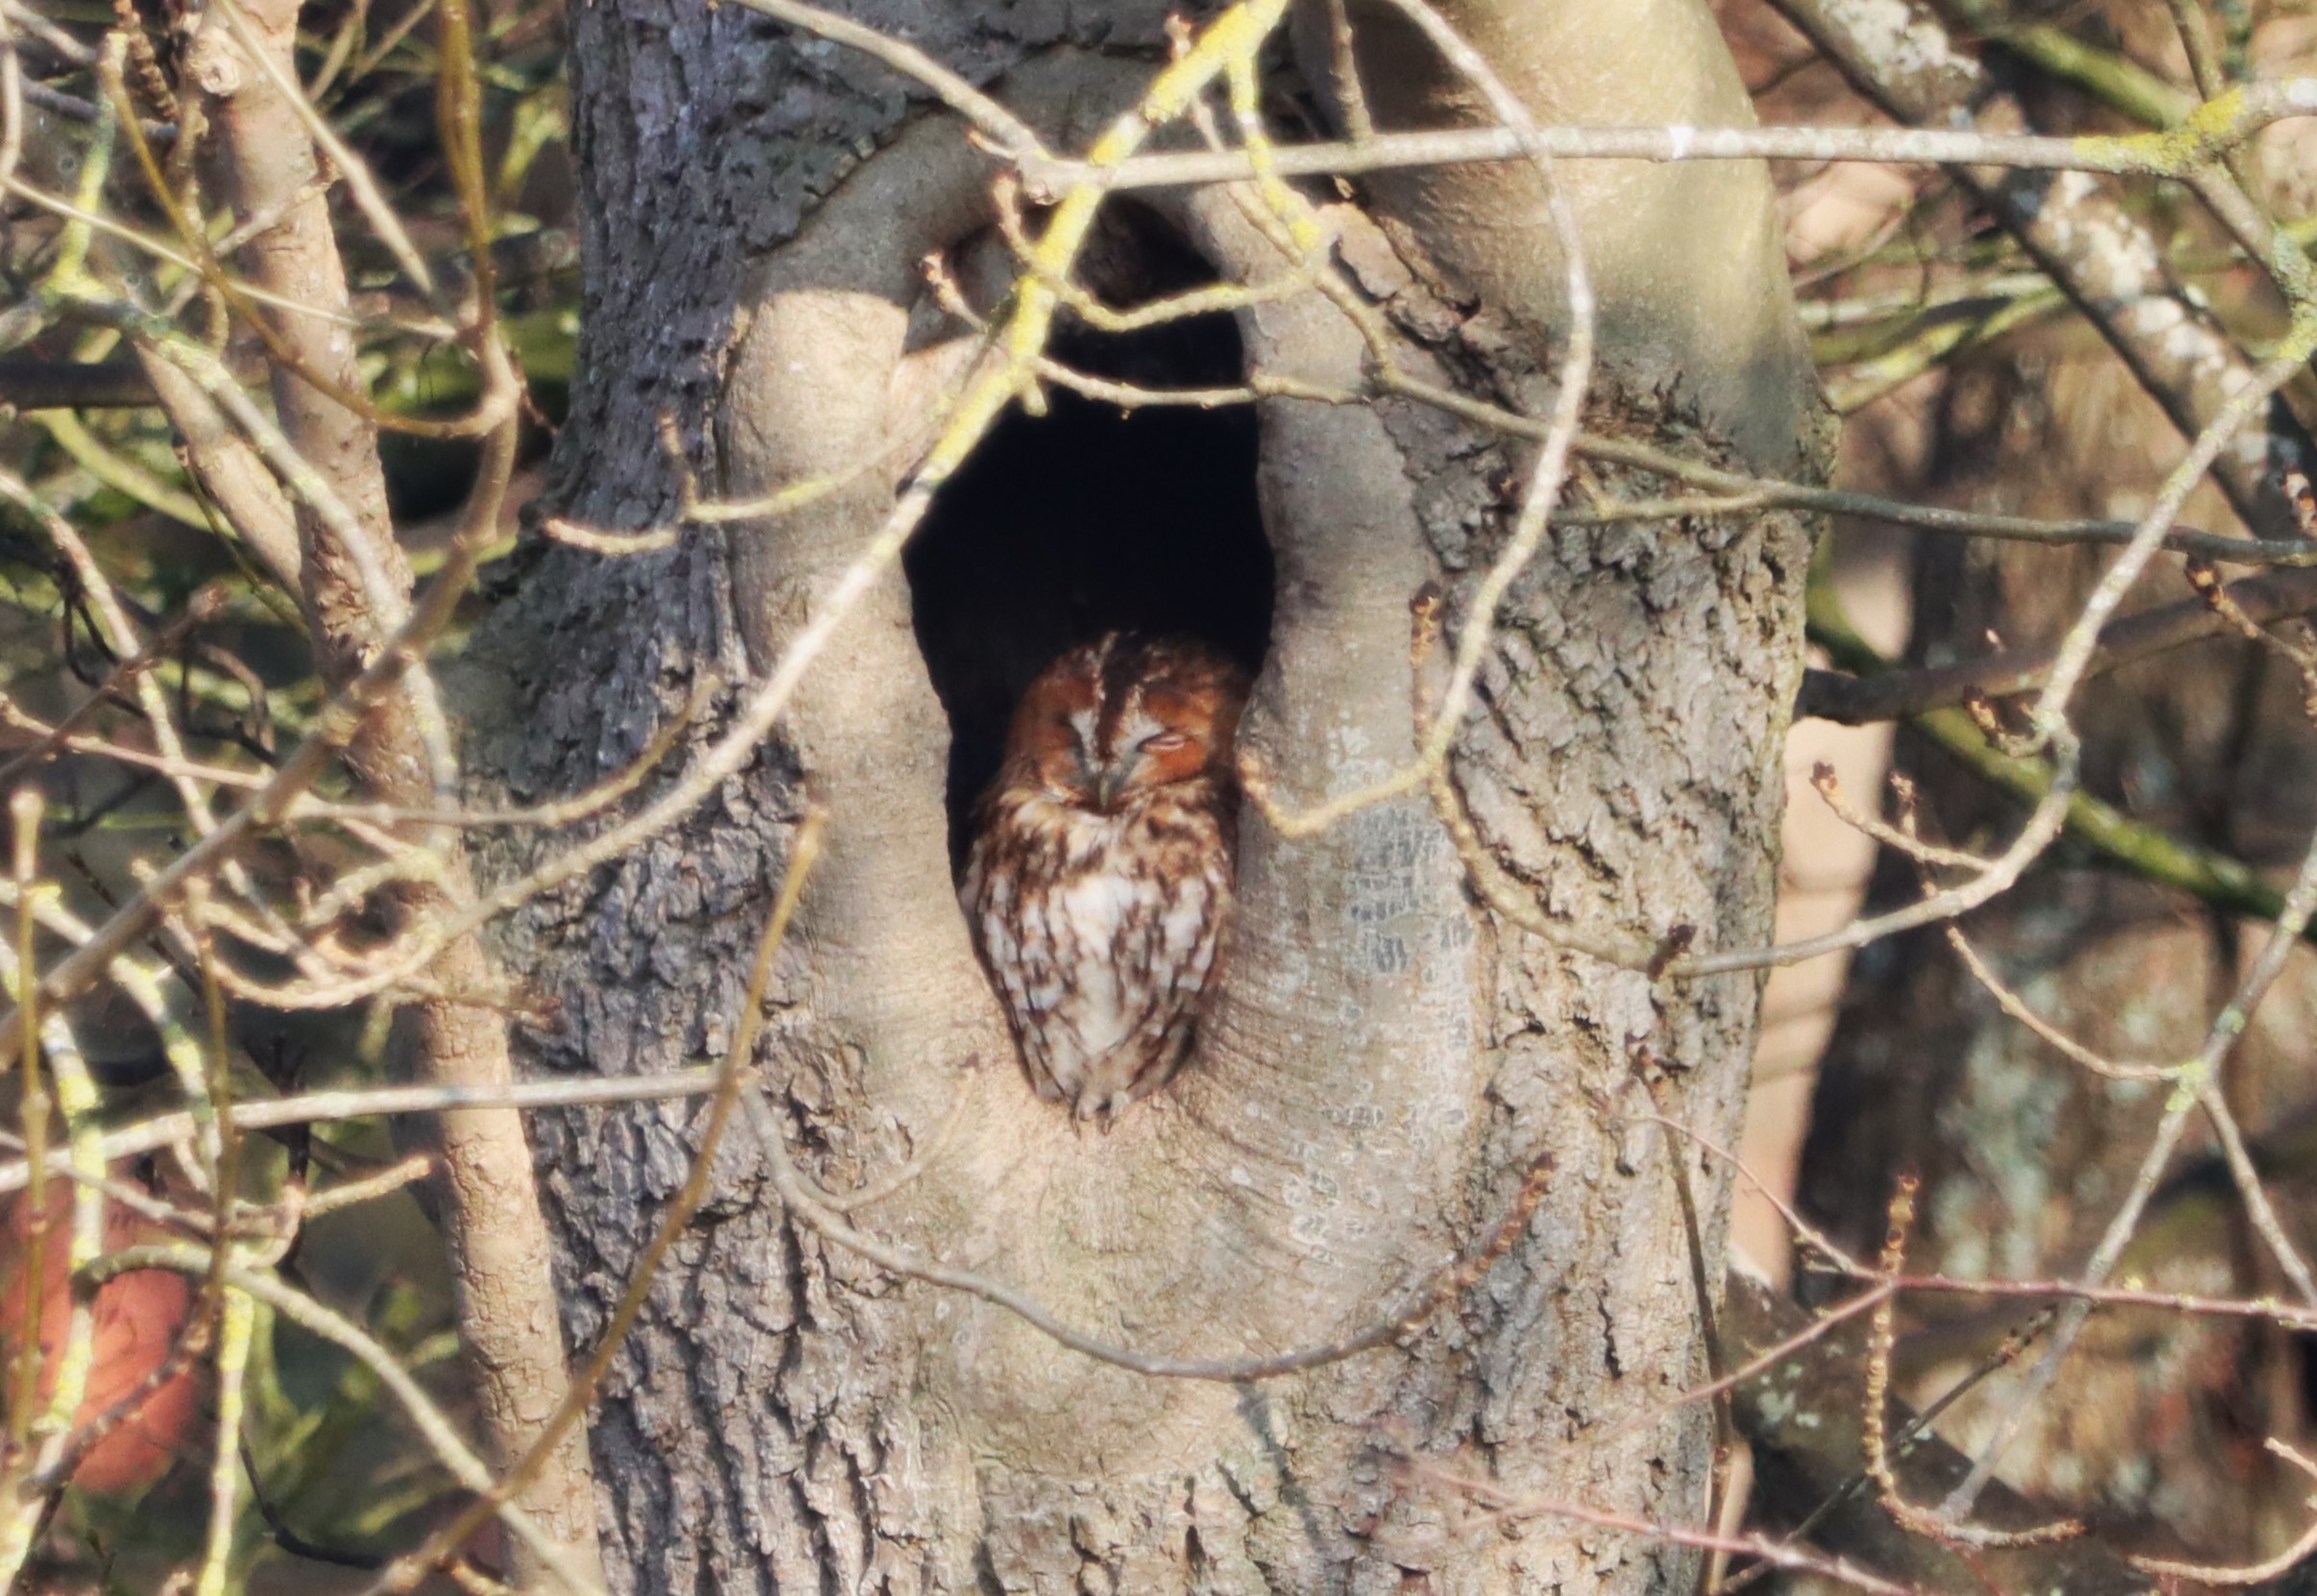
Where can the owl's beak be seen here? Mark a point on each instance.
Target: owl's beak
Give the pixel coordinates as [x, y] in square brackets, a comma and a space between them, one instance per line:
[1108, 779]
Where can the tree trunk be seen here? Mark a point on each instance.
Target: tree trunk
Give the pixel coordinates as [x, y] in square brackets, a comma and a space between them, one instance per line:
[1387, 1060]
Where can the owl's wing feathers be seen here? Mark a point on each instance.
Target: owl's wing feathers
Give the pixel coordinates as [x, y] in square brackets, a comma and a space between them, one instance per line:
[1101, 952]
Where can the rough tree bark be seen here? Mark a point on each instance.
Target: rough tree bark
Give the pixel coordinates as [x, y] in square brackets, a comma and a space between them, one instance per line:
[1387, 1060]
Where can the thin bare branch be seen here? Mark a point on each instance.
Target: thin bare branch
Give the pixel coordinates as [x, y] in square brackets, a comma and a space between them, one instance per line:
[2259, 108]
[2249, 1573]
[1880, 1337]
[441, 1436]
[1901, 694]
[317, 1107]
[2221, 1039]
[1781, 1554]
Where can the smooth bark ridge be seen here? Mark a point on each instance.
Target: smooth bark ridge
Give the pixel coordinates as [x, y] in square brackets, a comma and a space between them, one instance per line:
[1385, 1064]
[1689, 262]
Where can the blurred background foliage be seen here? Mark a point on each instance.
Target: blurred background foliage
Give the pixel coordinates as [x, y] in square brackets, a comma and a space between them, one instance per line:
[337, 1481]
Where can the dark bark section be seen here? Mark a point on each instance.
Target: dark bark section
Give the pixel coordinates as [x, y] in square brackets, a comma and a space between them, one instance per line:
[1801, 1416]
[1384, 1063]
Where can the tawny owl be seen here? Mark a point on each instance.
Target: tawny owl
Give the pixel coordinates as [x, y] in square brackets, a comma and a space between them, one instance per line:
[1098, 884]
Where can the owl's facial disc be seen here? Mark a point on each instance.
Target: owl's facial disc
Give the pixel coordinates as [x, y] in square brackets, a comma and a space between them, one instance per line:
[1119, 719]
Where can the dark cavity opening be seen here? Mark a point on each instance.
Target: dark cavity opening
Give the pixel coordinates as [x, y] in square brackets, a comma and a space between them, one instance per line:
[1092, 517]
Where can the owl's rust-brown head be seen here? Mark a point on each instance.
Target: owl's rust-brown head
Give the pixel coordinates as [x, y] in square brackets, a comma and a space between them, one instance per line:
[1125, 716]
